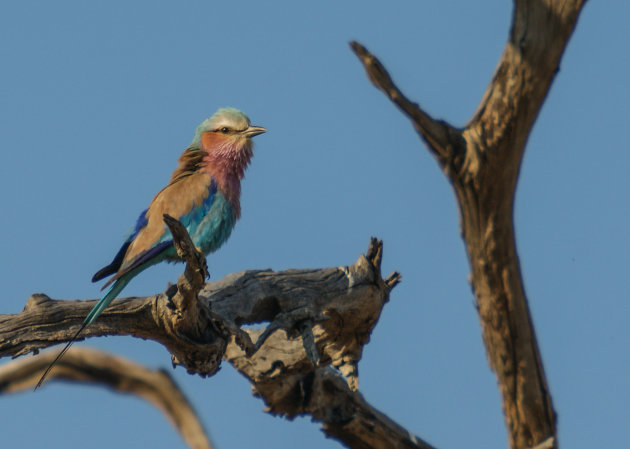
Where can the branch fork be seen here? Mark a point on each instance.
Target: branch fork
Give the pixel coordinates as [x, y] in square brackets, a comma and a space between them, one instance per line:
[482, 162]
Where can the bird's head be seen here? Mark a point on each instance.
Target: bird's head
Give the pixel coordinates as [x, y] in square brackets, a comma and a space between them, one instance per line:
[227, 134]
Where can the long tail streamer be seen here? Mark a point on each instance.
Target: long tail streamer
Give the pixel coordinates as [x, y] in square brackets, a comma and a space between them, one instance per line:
[89, 319]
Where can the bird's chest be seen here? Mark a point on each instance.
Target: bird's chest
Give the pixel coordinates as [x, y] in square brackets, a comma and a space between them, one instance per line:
[216, 225]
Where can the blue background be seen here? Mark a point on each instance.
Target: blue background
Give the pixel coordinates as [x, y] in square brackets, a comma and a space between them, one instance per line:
[98, 99]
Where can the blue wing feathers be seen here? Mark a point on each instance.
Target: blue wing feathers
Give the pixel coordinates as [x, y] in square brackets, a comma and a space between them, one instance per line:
[141, 222]
[193, 219]
[208, 224]
[162, 249]
[114, 266]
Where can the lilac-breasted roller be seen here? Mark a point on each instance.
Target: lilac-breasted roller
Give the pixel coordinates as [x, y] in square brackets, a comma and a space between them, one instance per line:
[203, 194]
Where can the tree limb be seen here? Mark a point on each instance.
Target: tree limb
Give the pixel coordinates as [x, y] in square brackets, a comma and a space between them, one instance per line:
[293, 387]
[438, 135]
[344, 304]
[483, 168]
[317, 319]
[96, 367]
[326, 396]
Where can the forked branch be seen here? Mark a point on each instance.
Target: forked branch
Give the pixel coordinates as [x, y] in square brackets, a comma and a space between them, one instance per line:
[482, 162]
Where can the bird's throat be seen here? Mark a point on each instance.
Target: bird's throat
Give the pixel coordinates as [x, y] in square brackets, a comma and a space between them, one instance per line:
[227, 174]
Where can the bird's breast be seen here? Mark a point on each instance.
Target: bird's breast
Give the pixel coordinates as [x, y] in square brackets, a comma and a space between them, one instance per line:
[216, 225]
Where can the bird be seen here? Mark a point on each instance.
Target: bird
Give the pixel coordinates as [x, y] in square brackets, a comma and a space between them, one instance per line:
[203, 194]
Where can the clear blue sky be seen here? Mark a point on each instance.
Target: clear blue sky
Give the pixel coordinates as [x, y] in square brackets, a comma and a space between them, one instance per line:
[98, 99]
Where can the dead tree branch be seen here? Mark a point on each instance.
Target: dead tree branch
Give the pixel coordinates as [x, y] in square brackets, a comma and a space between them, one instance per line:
[316, 319]
[482, 161]
[121, 375]
[326, 396]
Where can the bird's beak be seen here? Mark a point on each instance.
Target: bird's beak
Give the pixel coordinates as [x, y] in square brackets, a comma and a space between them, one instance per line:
[254, 131]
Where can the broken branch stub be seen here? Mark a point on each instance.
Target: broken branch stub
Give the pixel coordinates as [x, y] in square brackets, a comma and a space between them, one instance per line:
[340, 313]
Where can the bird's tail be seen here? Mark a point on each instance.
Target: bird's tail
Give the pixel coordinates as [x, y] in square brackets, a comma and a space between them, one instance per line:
[113, 291]
[105, 301]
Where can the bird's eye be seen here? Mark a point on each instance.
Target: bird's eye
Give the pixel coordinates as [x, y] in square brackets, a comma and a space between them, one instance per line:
[225, 130]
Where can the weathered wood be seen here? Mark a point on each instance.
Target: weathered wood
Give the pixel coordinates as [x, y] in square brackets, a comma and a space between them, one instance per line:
[335, 298]
[316, 319]
[325, 395]
[482, 162]
[282, 373]
[122, 375]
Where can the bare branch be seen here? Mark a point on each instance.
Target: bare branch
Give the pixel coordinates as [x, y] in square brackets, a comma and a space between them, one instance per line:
[192, 319]
[282, 375]
[96, 367]
[483, 167]
[196, 270]
[344, 310]
[442, 139]
[343, 303]
[325, 395]
[317, 319]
